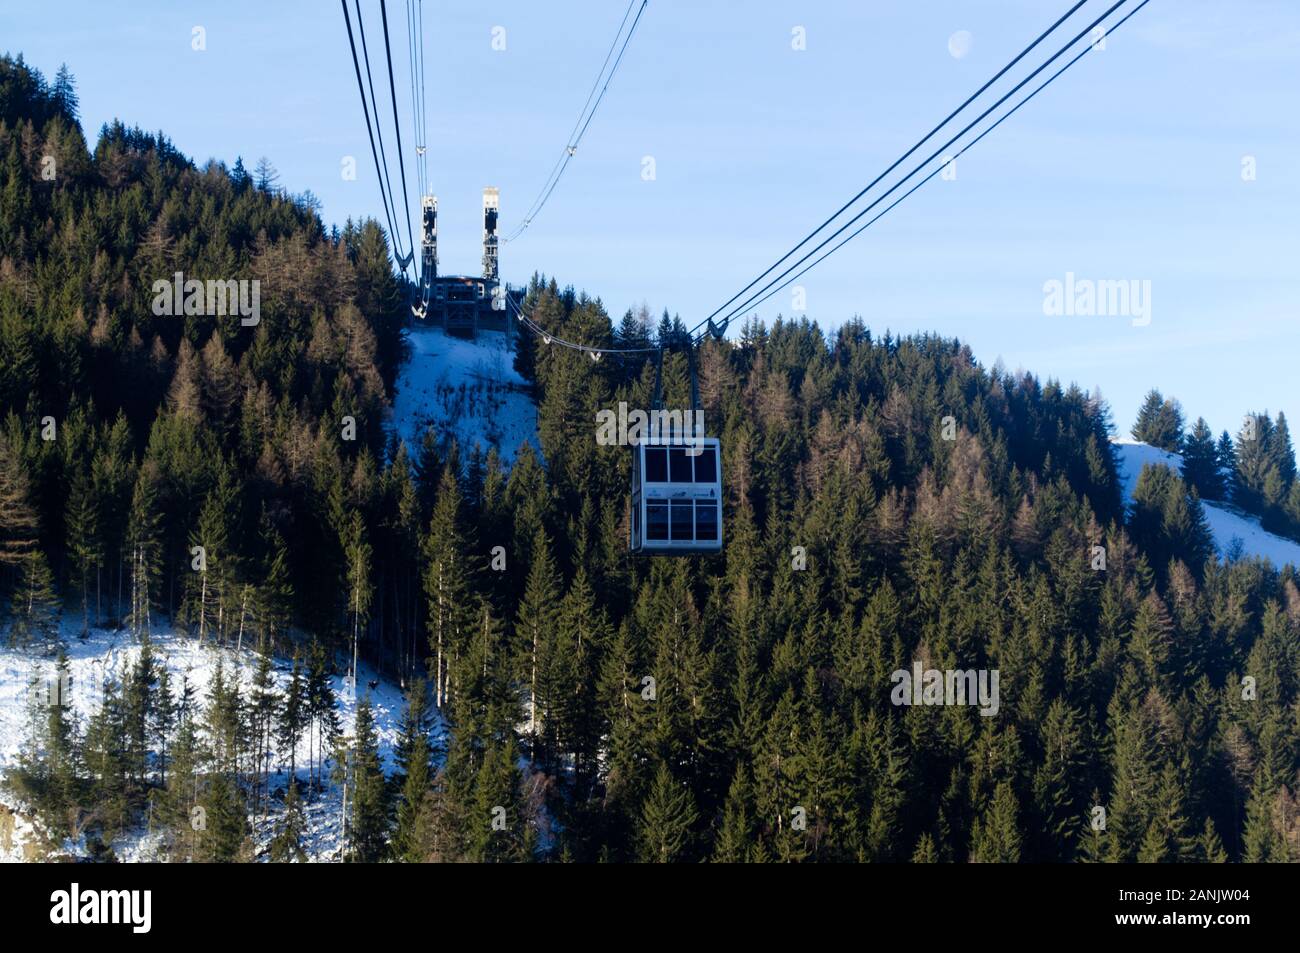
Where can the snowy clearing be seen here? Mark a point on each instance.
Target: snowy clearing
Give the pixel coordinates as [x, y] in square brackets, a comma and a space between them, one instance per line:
[1227, 524]
[466, 389]
[106, 654]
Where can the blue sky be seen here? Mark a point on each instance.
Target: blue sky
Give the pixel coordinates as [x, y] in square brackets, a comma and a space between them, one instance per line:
[1127, 168]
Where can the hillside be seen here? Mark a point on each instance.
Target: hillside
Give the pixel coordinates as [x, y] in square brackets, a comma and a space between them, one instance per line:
[888, 503]
[1235, 532]
[464, 390]
[109, 655]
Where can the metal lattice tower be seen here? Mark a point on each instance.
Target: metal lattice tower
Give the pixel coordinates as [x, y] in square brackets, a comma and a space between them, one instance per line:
[429, 269]
[491, 205]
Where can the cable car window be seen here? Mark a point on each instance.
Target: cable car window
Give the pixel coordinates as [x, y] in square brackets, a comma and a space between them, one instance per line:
[679, 465]
[656, 465]
[706, 466]
[681, 529]
[706, 520]
[656, 521]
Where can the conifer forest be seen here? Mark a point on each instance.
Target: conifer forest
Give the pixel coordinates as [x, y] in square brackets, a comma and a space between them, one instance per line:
[954, 613]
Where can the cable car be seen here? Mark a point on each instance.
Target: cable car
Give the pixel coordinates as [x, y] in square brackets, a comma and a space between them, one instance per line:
[676, 497]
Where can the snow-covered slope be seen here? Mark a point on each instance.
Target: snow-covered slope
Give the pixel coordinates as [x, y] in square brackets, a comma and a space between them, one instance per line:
[464, 389]
[106, 654]
[1227, 524]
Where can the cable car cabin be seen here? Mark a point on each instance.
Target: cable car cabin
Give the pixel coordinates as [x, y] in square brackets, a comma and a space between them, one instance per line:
[676, 498]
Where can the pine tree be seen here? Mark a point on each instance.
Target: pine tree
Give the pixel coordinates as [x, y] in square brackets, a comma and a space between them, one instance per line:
[1160, 422]
[736, 835]
[499, 831]
[1281, 452]
[286, 846]
[265, 176]
[323, 720]
[47, 771]
[63, 94]
[224, 827]
[213, 584]
[1167, 839]
[357, 553]
[18, 523]
[1093, 839]
[538, 612]
[104, 753]
[275, 594]
[139, 702]
[225, 721]
[162, 717]
[292, 717]
[239, 175]
[1135, 782]
[1262, 843]
[1057, 797]
[34, 606]
[368, 824]
[1225, 455]
[263, 708]
[180, 796]
[1209, 847]
[668, 819]
[925, 852]
[997, 837]
[447, 583]
[85, 545]
[414, 774]
[144, 538]
[1255, 464]
[1201, 462]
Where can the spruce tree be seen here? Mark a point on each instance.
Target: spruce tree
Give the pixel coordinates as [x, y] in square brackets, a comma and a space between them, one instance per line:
[223, 831]
[1225, 454]
[292, 717]
[997, 837]
[34, 605]
[1160, 422]
[286, 846]
[1201, 462]
[1209, 847]
[668, 817]
[323, 720]
[18, 522]
[264, 705]
[85, 545]
[448, 581]
[498, 831]
[368, 827]
[535, 628]
[105, 756]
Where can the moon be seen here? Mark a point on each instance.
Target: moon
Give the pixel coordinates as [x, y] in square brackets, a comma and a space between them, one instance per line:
[959, 44]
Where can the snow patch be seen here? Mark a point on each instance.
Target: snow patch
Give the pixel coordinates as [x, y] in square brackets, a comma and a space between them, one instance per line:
[108, 653]
[464, 389]
[1228, 525]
